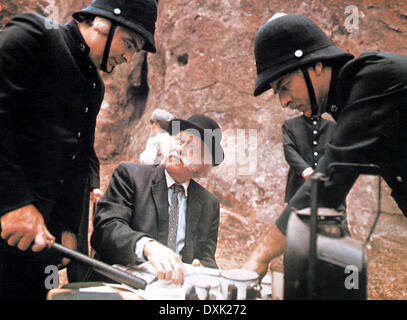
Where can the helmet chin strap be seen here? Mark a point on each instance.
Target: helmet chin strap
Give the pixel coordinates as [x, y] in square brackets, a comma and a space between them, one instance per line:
[311, 92]
[107, 48]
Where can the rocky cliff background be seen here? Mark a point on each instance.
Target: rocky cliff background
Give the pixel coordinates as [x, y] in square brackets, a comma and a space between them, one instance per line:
[204, 63]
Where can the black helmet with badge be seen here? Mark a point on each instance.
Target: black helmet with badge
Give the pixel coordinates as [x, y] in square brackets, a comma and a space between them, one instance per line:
[288, 42]
[136, 15]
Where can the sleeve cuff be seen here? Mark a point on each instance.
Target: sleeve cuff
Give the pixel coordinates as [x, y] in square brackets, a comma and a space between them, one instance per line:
[140, 249]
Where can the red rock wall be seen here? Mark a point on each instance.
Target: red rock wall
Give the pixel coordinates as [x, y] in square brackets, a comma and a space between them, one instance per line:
[11, 8]
[205, 63]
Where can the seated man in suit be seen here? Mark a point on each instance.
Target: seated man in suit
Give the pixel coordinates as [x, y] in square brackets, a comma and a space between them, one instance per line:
[158, 213]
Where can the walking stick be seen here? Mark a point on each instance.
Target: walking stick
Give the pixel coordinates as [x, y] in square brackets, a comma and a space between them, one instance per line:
[101, 267]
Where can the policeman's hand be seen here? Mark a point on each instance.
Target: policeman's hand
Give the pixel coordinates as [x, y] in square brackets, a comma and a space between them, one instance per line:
[95, 195]
[260, 267]
[270, 247]
[307, 173]
[25, 226]
[165, 261]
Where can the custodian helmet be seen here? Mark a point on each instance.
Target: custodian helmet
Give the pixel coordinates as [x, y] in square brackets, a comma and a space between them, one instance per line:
[137, 15]
[287, 43]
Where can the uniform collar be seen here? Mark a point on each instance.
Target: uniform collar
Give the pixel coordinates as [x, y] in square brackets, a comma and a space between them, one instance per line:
[310, 119]
[332, 95]
[171, 182]
[76, 41]
[80, 52]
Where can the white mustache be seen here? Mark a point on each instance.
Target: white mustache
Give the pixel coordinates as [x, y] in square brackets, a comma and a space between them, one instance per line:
[193, 166]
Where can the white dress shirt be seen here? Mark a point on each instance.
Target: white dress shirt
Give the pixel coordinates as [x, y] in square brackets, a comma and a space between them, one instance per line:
[182, 207]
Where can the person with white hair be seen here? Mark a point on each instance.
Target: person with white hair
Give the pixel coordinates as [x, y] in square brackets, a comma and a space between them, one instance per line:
[159, 213]
[158, 143]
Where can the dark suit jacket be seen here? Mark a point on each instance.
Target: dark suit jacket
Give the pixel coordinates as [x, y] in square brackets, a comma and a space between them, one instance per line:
[304, 143]
[370, 94]
[136, 205]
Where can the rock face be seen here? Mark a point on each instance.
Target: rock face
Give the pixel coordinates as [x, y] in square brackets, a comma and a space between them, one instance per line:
[205, 64]
[10, 8]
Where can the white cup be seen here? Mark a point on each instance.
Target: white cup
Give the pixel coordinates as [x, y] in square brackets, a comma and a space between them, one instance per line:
[206, 287]
[242, 279]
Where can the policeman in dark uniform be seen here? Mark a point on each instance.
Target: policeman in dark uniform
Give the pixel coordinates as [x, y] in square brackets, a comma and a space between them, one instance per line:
[50, 95]
[304, 140]
[365, 95]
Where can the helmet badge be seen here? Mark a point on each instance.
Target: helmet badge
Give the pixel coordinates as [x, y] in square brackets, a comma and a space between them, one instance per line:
[299, 53]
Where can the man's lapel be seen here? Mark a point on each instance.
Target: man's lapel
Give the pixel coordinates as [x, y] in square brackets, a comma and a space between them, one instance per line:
[159, 191]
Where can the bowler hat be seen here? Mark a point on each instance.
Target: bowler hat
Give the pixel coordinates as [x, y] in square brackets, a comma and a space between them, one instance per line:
[209, 132]
[287, 43]
[137, 15]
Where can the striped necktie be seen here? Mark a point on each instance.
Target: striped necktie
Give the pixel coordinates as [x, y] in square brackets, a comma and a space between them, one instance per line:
[173, 216]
